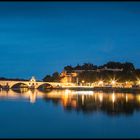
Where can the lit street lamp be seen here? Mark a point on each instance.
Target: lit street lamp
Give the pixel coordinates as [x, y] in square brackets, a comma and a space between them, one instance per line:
[100, 83]
[83, 82]
[113, 82]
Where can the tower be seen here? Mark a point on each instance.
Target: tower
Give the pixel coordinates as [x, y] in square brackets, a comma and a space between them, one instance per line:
[33, 79]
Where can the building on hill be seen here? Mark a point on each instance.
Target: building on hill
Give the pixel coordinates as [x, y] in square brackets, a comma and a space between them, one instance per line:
[68, 77]
[79, 71]
[72, 77]
[109, 69]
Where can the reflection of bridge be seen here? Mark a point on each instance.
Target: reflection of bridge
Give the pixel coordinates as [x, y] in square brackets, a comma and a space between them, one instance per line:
[31, 83]
[86, 101]
[31, 95]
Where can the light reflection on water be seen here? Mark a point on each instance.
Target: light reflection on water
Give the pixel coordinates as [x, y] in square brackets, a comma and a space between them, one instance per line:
[69, 114]
[84, 101]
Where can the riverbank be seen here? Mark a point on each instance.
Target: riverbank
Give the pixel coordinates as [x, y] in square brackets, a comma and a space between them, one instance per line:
[105, 89]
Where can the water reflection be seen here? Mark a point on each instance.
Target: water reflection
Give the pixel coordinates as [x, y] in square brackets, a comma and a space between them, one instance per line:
[17, 94]
[91, 101]
[82, 101]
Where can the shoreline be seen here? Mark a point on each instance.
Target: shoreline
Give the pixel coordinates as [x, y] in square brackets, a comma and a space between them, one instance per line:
[106, 89]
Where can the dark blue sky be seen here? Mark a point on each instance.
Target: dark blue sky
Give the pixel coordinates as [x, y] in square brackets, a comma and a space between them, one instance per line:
[38, 38]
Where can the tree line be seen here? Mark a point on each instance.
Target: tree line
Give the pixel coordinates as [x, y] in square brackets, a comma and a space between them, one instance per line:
[128, 73]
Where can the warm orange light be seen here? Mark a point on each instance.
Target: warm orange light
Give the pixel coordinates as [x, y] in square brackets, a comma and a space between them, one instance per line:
[113, 97]
[100, 83]
[138, 82]
[113, 82]
[101, 97]
[74, 74]
[67, 91]
[126, 97]
[138, 97]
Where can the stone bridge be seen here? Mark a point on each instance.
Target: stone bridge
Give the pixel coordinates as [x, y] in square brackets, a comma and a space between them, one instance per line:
[33, 83]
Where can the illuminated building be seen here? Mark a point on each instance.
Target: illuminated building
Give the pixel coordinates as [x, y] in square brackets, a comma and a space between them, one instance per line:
[33, 79]
[109, 69]
[68, 77]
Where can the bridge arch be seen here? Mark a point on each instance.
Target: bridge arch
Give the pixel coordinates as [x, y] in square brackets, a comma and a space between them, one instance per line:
[44, 86]
[19, 85]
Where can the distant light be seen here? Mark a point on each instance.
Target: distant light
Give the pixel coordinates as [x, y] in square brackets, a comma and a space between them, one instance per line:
[100, 82]
[138, 82]
[101, 97]
[138, 97]
[84, 92]
[67, 91]
[113, 82]
[126, 97]
[113, 97]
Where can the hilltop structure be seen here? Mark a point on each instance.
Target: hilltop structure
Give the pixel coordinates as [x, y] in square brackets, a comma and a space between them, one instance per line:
[72, 76]
[68, 77]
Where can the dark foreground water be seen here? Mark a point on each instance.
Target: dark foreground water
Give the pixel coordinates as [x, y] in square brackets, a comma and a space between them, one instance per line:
[69, 114]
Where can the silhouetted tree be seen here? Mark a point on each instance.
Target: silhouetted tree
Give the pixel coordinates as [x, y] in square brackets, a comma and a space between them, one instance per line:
[68, 68]
[128, 67]
[56, 77]
[78, 67]
[113, 65]
[47, 78]
[129, 73]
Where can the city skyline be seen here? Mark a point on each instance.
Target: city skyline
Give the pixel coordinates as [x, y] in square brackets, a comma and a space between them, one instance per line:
[40, 38]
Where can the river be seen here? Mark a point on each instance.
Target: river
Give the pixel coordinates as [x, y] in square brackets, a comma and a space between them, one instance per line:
[69, 114]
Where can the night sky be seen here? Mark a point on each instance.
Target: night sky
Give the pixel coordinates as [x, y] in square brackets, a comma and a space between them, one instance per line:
[39, 38]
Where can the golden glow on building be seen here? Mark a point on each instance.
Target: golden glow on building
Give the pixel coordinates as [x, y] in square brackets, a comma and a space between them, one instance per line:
[128, 84]
[138, 82]
[100, 83]
[68, 77]
[113, 82]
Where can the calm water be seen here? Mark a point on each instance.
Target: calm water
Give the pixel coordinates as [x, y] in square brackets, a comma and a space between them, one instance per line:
[69, 114]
